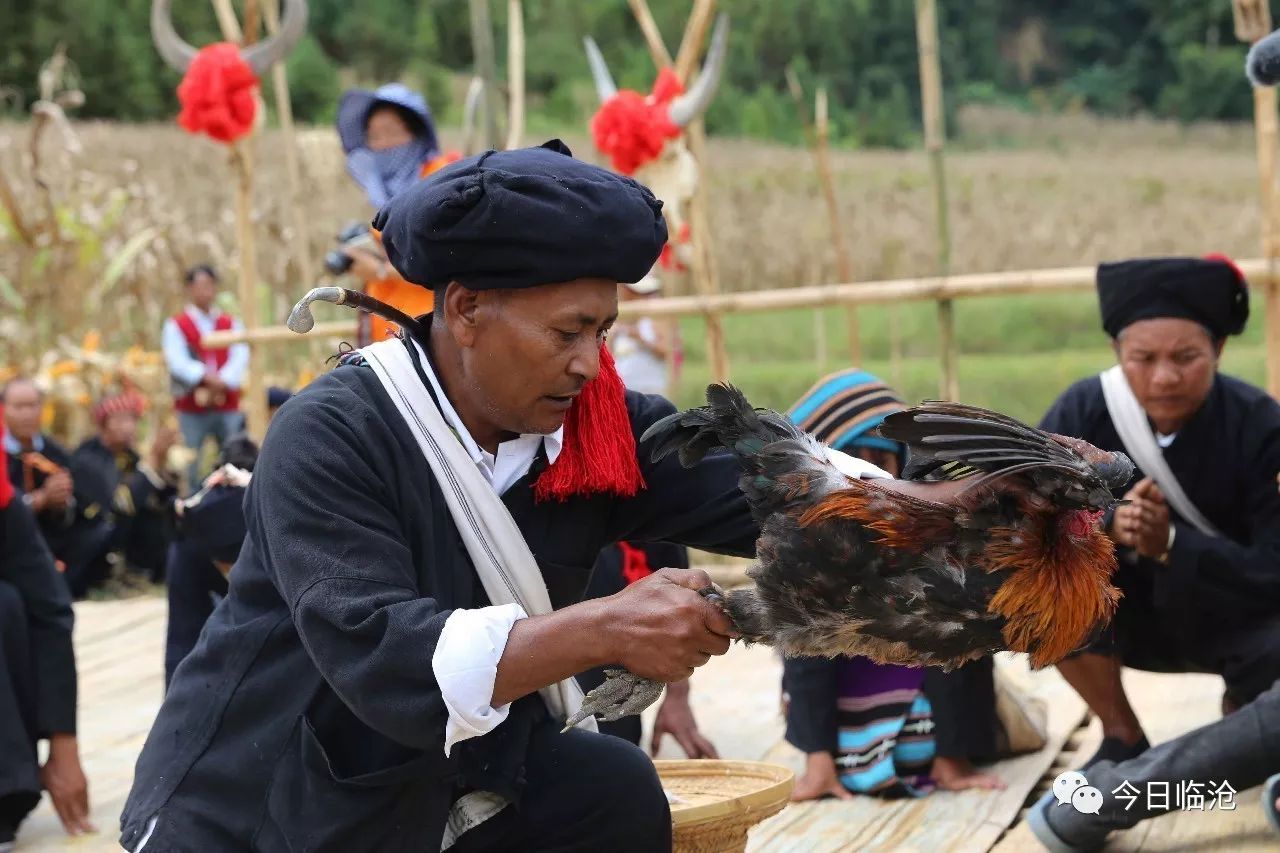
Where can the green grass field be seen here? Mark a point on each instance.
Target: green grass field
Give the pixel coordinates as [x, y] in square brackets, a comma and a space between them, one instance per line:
[1017, 353]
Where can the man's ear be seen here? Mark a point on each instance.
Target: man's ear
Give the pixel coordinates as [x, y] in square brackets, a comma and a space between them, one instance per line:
[1218, 346]
[461, 307]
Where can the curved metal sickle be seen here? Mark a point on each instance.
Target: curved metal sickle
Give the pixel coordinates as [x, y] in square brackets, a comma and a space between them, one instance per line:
[302, 321]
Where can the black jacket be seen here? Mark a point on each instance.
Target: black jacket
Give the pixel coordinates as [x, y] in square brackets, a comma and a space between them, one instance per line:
[308, 716]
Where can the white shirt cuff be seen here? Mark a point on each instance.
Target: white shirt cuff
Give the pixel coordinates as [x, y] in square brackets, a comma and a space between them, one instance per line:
[466, 666]
[852, 466]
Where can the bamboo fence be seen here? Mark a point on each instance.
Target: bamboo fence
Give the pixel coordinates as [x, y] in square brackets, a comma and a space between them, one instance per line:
[938, 289]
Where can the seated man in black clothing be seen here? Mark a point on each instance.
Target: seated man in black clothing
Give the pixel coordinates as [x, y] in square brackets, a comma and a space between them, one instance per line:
[1199, 539]
[37, 678]
[39, 468]
[393, 662]
[210, 530]
[134, 494]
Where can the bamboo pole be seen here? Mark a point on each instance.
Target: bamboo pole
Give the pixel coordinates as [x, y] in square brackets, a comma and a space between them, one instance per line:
[971, 286]
[284, 109]
[254, 396]
[695, 33]
[1253, 22]
[278, 334]
[652, 35]
[515, 72]
[486, 68]
[661, 59]
[819, 133]
[705, 275]
[227, 21]
[253, 20]
[934, 137]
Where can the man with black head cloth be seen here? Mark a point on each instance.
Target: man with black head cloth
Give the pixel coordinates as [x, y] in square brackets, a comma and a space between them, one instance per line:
[1199, 540]
[394, 660]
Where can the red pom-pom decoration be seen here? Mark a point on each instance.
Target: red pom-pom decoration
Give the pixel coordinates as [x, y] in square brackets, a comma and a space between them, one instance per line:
[217, 94]
[632, 129]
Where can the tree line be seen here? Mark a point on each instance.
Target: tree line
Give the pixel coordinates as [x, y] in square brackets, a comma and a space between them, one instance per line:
[1169, 58]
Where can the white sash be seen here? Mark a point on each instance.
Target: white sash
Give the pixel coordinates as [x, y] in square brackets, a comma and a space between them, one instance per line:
[1131, 423]
[501, 557]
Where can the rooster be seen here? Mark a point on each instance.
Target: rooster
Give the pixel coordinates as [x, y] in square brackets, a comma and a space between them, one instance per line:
[990, 540]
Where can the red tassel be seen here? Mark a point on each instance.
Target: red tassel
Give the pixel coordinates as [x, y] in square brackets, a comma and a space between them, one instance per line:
[599, 452]
[6, 488]
[217, 94]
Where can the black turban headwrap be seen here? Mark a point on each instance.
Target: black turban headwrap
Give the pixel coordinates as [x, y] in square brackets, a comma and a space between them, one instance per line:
[1211, 291]
[514, 219]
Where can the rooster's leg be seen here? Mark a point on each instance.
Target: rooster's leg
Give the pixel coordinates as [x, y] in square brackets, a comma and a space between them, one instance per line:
[621, 695]
[624, 693]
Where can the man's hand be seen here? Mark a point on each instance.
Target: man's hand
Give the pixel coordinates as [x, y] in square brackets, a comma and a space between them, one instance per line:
[1143, 523]
[662, 629]
[675, 718]
[63, 777]
[365, 265]
[213, 381]
[819, 779]
[57, 491]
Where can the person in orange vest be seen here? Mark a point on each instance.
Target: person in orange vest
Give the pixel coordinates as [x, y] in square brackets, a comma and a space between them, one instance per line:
[205, 382]
[390, 142]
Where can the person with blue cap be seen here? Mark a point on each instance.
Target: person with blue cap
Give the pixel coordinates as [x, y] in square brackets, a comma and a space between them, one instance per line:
[394, 661]
[389, 139]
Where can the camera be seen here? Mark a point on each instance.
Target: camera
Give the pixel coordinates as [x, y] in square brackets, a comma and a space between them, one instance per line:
[355, 235]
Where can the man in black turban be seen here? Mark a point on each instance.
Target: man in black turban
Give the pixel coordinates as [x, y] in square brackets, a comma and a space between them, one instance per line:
[1199, 539]
[365, 685]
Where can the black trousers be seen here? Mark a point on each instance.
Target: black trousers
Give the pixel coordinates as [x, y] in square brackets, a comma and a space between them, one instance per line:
[964, 710]
[1244, 649]
[19, 767]
[195, 586]
[584, 792]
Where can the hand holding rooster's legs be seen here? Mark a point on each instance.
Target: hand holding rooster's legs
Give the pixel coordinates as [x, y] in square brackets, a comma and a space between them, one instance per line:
[698, 632]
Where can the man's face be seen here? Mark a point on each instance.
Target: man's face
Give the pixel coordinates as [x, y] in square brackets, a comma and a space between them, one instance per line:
[386, 129]
[22, 410]
[120, 430]
[1170, 364]
[202, 290]
[527, 353]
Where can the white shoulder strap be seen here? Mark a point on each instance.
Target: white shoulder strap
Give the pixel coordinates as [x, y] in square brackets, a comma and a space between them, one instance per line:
[1131, 423]
[502, 559]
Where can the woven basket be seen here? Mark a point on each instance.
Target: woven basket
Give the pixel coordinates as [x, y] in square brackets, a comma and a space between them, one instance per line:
[716, 802]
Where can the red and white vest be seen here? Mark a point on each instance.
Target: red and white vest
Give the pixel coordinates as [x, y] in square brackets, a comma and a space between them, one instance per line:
[213, 359]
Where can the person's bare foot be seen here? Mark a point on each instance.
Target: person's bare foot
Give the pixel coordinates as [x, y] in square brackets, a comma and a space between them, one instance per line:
[959, 774]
